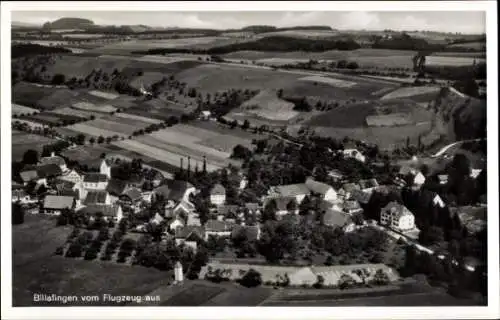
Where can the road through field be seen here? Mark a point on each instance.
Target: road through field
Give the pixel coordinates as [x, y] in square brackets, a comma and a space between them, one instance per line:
[445, 148]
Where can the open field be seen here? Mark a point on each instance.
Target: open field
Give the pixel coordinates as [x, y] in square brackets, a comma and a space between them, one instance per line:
[134, 117]
[76, 112]
[90, 130]
[267, 105]
[160, 109]
[451, 61]
[338, 83]
[316, 34]
[429, 91]
[105, 95]
[157, 153]
[44, 97]
[18, 109]
[87, 106]
[479, 45]
[21, 142]
[37, 270]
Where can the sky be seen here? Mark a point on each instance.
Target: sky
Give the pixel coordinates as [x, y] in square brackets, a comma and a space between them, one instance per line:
[442, 21]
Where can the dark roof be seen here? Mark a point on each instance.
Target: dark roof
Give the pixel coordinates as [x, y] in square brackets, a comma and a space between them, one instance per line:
[349, 187]
[106, 210]
[336, 218]
[95, 197]
[133, 193]
[28, 175]
[49, 170]
[173, 189]
[317, 187]
[116, 187]
[368, 183]
[360, 196]
[52, 160]
[218, 189]
[58, 202]
[218, 226]
[227, 209]
[187, 231]
[251, 232]
[252, 206]
[95, 177]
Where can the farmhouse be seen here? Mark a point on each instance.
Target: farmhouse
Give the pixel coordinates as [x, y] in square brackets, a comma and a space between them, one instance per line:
[346, 191]
[95, 181]
[157, 219]
[71, 176]
[354, 154]
[53, 159]
[218, 228]
[368, 185]
[190, 236]
[218, 195]
[298, 191]
[131, 196]
[185, 207]
[54, 205]
[175, 190]
[109, 212]
[335, 218]
[176, 223]
[326, 192]
[397, 217]
[352, 207]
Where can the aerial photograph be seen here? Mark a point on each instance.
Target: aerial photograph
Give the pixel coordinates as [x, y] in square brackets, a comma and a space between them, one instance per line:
[267, 158]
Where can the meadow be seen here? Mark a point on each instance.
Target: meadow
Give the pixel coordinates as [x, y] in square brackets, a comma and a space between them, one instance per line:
[266, 104]
[22, 142]
[18, 109]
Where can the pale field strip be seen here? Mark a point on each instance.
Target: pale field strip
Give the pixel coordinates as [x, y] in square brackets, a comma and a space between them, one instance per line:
[226, 143]
[189, 132]
[331, 81]
[451, 61]
[83, 35]
[134, 123]
[114, 126]
[18, 109]
[411, 91]
[155, 153]
[91, 107]
[163, 59]
[105, 95]
[269, 106]
[74, 112]
[195, 150]
[136, 117]
[27, 138]
[93, 131]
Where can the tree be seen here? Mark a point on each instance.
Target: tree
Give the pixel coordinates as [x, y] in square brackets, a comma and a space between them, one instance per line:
[251, 279]
[279, 93]
[58, 79]
[80, 138]
[100, 139]
[363, 274]
[380, 278]
[245, 125]
[320, 281]
[17, 213]
[30, 157]
[269, 212]
[92, 140]
[346, 281]
[291, 206]
[241, 152]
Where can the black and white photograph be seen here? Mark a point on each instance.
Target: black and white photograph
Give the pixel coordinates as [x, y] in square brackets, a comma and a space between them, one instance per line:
[237, 156]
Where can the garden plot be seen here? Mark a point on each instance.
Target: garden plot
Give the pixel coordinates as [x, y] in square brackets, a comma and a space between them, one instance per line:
[18, 109]
[105, 95]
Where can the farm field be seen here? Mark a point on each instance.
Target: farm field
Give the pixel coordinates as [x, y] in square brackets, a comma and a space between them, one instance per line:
[18, 109]
[87, 106]
[105, 95]
[301, 34]
[122, 116]
[89, 130]
[21, 142]
[267, 105]
[41, 97]
[428, 91]
[452, 61]
[37, 270]
[76, 112]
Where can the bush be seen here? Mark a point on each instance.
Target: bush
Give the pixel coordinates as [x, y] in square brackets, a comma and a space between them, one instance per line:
[251, 279]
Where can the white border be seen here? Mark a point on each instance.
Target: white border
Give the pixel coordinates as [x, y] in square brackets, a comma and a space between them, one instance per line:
[492, 311]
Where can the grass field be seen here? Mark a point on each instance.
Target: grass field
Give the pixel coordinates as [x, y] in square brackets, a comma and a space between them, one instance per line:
[90, 130]
[122, 116]
[267, 105]
[21, 142]
[18, 109]
[75, 112]
[338, 83]
[105, 95]
[408, 92]
[451, 61]
[87, 106]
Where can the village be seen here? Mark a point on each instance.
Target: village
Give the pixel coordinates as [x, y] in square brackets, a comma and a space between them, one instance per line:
[288, 227]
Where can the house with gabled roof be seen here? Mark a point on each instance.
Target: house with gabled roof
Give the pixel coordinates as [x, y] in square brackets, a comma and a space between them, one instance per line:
[218, 228]
[218, 194]
[325, 191]
[95, 181]
[131, 196]
[368, 185]
[354, 154]
[175, 190]
[54, 205]
[109, 212]
[299, 191]
[397, 216]
[347, 188]
[72, 176]
[336, 218]
[190, 236]
[53, 159]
